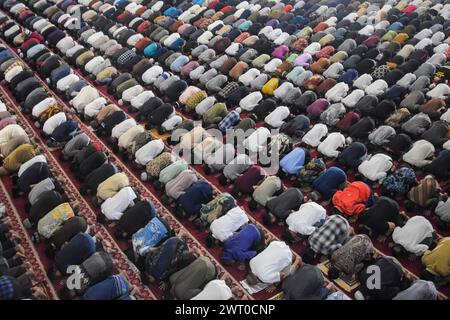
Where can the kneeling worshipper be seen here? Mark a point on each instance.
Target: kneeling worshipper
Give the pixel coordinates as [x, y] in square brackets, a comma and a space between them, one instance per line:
[349, 259]
[190, 202]
[90, 163]
[165, 259]
[419, 290]
[134, 218]
[154, 232]
[214, 209]
[353, 199]
[225, 226]
[115, 287]
[234, 169]
[53, 219]
[279, 207]
[442, 212]
[352, 156]
[96, 177]
[178, 186]
[113, 208]
[415, 237]
[328, 183]
[30, 173]
[94, 269]
[74, 252]
[215, 290]
[306, 283]
[265, 191]
[437, 261]
[15, 159]
[243, 245]
[272, 265]
[190, 281]
[75, 144]
[376, 167]
[305, 221]
[399, 182]
[381, 218]
[425, 195]
[329, 237]
[109, 187]
[45, 202]
[393, 280]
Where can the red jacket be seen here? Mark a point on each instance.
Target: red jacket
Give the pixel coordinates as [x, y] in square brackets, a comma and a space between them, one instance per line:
[352, 200]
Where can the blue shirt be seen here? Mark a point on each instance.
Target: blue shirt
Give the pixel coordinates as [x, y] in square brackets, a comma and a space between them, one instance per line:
[111, 288]
[193, 198]
[65, 131]
[35, 173]
[59, 73]
[149, 236]
[179, 63]
[150, 50]
[329, 181]
[6, 288]
[165, 256]
[239, 246]
[78, 249]
[293, 161]
[229, 121]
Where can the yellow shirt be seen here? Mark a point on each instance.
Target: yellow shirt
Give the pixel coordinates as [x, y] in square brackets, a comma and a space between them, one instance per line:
[270, 86]
[112, 185]
[81, 60]
[437, 261]
[401, 37]
[108, 72]
[21, 154]
[54, 219]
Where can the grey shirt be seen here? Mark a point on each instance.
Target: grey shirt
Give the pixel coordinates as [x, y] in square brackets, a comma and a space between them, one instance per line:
[189, 281]
[305, 284]
[413, 100]
[419, 290]
[443, 210]
[382, 135]
[75, 144]
[238, 165]
[417, 124]
[426, 69]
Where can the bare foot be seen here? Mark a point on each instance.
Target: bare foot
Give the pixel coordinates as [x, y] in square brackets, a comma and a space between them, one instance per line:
[197, 252]
[20, 249]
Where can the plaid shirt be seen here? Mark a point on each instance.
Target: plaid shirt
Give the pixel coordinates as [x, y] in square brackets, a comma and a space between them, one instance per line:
[228, 90]
[229, 121]
[126, 57]
[330, 236]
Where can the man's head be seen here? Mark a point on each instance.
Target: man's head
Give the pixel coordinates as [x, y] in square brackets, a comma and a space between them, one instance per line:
[333, 273]
[269, 219]
[252, 279]
[363, 229]
[253, 205]
[223, 180]
[398, 251]
[209, 241]
[309, 256]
